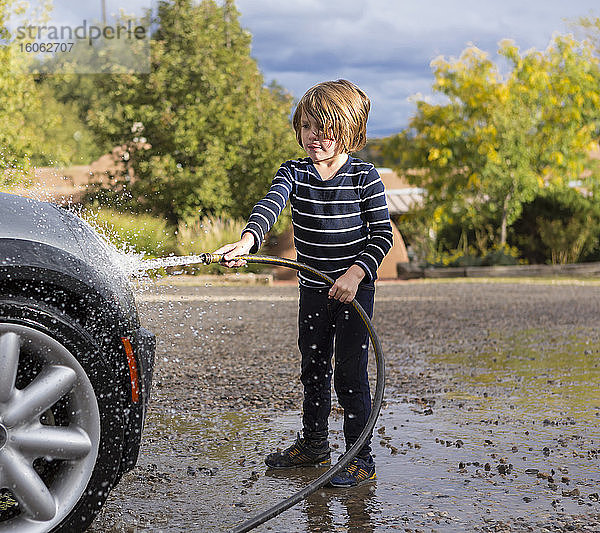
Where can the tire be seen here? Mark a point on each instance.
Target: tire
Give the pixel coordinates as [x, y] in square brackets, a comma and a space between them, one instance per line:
[61, 421]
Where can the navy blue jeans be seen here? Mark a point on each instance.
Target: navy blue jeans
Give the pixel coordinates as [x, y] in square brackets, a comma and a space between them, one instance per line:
[327, 327]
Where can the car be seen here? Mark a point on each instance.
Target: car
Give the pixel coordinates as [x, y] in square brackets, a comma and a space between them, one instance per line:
[75, 369]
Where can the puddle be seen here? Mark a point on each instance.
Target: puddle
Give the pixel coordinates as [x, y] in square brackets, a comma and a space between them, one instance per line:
[443, 472]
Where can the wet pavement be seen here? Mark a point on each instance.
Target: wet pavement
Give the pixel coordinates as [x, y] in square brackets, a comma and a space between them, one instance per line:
[490, 421]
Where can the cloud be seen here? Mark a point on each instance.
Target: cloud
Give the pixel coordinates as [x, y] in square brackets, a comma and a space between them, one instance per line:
[73, 13]
[386, 47]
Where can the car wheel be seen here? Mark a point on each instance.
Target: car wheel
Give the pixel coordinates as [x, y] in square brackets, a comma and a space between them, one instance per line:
[61, 426]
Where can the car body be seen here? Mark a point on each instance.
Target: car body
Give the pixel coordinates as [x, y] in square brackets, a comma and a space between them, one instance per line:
[75, 369]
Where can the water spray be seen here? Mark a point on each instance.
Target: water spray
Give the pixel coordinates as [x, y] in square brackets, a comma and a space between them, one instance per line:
[346, 458]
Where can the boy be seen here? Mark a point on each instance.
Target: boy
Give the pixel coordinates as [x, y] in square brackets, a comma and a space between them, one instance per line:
[342, 228]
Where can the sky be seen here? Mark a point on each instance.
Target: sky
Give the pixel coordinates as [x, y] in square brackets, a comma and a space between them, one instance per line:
[384, 46]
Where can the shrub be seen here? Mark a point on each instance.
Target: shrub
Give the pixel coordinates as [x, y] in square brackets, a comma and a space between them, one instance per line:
[497, 256]
[561, 225]
[453, 258]
[564, 238]
[501, 256]
[142, 234]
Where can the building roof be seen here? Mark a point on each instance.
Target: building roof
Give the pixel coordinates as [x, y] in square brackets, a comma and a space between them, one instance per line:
[403, 200]
[400, 196]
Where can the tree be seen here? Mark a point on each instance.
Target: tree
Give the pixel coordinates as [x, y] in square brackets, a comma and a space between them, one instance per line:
[202, 133]
[590, 28]
[36, 129]
[17, 98]
[496, 140]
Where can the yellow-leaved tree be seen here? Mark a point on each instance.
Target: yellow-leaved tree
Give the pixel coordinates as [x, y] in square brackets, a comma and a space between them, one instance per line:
[501, 134]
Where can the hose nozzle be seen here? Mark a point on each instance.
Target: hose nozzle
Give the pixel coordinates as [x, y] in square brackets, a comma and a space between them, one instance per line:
[208, 258]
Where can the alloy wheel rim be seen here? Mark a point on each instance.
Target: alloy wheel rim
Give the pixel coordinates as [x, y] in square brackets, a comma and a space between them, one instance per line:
[49, 429]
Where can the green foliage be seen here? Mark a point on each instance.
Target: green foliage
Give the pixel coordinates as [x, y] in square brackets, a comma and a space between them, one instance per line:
[69, 83]
[414, 228]
[142, 234]
[122, 53]
[153, 237]
[451, 249]
[18, 97]
[497, 141]
[564, 238]
[208, 234]
[504, 256]
[62, 138]
[561, 225]
[204, 135]
[36, 128]
[455, 258]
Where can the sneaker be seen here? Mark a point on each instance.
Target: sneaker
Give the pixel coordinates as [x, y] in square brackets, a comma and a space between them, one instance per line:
[356, 472]
[301, 453]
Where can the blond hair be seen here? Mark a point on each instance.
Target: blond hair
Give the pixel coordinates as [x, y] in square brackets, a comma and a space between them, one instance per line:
[341, 110]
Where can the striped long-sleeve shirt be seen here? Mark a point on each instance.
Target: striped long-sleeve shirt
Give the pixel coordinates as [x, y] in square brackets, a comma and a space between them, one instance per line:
[337, 222]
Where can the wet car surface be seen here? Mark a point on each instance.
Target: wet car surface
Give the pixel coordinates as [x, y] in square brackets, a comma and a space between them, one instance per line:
[75, 369]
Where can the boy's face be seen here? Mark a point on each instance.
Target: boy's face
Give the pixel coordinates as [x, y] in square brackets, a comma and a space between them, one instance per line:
[314, 141]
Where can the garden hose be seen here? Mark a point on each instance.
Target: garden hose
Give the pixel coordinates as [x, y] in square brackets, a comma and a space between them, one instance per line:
[346, 458]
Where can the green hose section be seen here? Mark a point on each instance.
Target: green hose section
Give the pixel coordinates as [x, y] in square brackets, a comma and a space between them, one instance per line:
[347, 457]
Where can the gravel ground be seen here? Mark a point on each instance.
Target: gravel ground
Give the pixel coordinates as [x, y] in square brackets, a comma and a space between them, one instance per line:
[456, 352]
[221, 339]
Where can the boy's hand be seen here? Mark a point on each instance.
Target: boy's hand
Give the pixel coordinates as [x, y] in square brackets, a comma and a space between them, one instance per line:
[345, 287]
[233, 250]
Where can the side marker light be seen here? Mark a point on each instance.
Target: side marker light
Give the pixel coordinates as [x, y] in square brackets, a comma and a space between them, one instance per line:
[133, 371]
